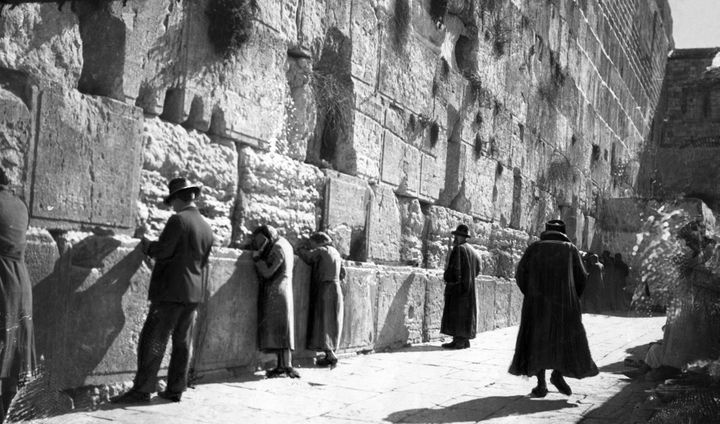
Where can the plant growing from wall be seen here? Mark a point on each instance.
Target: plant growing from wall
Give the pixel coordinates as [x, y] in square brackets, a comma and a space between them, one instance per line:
[434, 133]
[230, 23]
[401, 23]
[478, 146]
[334, 105]
[438, 9]
[499, 33]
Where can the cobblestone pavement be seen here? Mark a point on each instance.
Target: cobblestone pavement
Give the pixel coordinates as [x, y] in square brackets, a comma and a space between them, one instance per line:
[419, 384]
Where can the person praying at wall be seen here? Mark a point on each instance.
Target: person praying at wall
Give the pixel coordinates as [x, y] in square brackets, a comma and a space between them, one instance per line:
[17, 357]
[325, 316]
[459, 318]
[176, 288]
[623, 296]
[274, 259]
[595, 291]
[551, 276]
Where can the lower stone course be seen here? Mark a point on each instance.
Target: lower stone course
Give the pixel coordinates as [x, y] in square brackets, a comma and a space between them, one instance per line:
[91, 291]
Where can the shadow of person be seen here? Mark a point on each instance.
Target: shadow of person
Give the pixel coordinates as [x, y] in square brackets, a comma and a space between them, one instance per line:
[480, 409]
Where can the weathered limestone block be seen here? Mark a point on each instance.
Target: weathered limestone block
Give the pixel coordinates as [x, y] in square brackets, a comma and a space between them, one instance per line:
[407, 76]
[366, 41]
[516, 302]
[301, 110]
[400, 165]
[432, 169]
[42, 41]
[441, 221]
[132, 52]
[475, 179]
[276, 190]
[95, 144]
[413, 228]
[360, 291]
[503, 293]
[227, 321]
[15, 142]
[345, 216]
[401, 307]
[170, 151]
[385, 226]
[101, 310]
[434, 304]
[362, 153]
[485, 292]
[281, 16]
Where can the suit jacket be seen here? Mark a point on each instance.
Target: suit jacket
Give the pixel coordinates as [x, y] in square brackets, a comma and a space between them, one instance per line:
[181, 254]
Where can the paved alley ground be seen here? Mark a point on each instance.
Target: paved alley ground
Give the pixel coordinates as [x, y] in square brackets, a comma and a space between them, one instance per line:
[419, 384]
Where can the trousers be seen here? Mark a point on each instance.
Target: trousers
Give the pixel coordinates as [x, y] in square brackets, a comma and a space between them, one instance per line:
[164, 319]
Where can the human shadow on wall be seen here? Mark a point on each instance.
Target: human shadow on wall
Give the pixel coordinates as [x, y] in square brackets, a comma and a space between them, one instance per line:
[480, 410]
[78, 316]
[394, 333]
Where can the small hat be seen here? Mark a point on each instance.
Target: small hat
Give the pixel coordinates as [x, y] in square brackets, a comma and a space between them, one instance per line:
[461, 230]
[321, 238]
[177, 185]
[555, 225]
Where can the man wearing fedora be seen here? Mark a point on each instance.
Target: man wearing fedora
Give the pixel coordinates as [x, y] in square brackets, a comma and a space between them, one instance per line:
[460, 314]
[181, 256]
[552, 277]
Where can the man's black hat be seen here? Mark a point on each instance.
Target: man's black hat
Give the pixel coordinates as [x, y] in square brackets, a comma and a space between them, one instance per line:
[461, 230]
[555, 225]
[176, 185]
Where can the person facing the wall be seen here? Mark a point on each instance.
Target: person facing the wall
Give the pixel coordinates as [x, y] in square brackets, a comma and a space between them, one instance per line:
[551, 276]
[176, 288]
[274, 259]
[459, 318]
[17, 354]
[325, 316]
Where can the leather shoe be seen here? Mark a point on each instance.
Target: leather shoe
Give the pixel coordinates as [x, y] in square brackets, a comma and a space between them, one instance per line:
[539, 392]
[132, 396]
[172, 397]
[558, 381]
[326, 362]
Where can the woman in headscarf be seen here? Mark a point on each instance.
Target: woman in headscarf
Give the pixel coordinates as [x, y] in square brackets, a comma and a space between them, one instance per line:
[274, 265]
[17, 342]
[326, 299]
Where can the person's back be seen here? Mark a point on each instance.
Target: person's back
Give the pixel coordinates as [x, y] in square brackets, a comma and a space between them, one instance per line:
[13, 225]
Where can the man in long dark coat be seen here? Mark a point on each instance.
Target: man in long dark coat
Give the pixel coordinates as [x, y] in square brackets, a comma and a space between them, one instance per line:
[459, 314]
[17, 342]
[181, 256]
[552, 277]
[274, 259]
[325, 315]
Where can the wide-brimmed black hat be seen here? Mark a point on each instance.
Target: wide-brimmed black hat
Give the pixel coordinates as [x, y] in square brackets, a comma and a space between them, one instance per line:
[462, 230]
[176, 185]
[555, 225]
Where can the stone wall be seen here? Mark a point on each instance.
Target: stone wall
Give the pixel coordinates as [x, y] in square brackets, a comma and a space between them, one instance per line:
[92, 303]
[684, 144]
[372, 120]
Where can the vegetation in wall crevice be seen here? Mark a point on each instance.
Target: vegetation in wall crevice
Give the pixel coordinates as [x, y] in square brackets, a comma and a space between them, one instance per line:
[230, 24]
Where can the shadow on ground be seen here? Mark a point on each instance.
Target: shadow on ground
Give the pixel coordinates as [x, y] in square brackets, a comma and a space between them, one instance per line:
[479, 409]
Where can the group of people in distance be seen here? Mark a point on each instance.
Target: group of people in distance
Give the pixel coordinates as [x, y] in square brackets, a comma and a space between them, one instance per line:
[607, 283]
[176, 289]
[552, 277]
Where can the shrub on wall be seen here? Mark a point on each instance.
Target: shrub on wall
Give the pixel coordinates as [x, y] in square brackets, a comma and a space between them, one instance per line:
[230, 23]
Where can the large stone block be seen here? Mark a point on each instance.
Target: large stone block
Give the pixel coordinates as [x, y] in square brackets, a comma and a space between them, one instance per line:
[345, 216]
[434, 305]
[485, 292]
[16, 127]
[503, 295]
[227, 322]
[42, 41]
[400, 166]
[279, 191]
[100, 311]
[95, 144]
[385, 226]
[413, 231]
[401, 307]
[360, 289]
[171, 150]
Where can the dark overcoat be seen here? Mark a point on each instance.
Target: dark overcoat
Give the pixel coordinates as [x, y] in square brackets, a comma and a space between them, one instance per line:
[460, 312]
[181, 254]
[552, 278]
[596, 292]
[276, 320]
[325, 315]
[17, 341]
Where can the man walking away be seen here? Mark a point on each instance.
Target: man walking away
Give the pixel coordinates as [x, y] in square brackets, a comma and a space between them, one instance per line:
[551, 276]
[181, 256]
[459, 318]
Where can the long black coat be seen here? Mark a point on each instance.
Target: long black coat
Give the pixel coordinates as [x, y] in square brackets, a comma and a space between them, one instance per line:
[460, 312]
[552, 277]
[181, 254]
